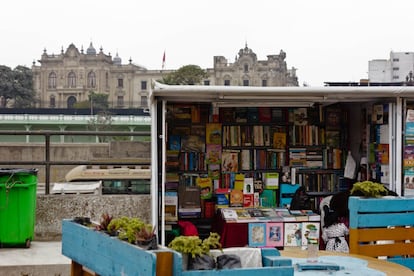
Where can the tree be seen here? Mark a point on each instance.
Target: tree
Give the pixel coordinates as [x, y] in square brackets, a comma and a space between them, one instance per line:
[16, 87]
[188, 74]
[96, 101]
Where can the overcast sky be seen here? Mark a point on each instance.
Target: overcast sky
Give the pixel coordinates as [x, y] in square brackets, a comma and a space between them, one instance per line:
[326, 40]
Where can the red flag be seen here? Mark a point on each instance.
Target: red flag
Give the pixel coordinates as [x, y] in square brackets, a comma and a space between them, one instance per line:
[163, 60]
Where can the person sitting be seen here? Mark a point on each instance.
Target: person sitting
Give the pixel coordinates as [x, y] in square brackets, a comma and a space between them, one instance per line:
[334, 232]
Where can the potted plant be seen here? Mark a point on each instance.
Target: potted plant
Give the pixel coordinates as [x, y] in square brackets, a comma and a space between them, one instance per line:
[368, 189]
[146, 237]
[196, 252]
[104, 222]
[126, 228]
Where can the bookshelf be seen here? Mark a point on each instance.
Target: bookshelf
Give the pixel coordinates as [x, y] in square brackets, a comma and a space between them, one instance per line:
[228, 147]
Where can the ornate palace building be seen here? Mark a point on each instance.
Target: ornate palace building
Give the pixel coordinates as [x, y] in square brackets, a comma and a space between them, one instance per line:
[63, 79]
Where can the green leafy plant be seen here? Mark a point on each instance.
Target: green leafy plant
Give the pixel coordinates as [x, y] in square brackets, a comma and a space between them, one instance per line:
[126, 227]
[368, 189]
[194, 246]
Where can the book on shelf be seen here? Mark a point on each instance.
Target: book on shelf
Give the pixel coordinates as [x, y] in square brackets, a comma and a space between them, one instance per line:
[198, 130]
[171, 206]
[213, 154]
[252, 115]
[213, 133]
[239, 182]
[248, 186]
[193, 143]
[245, 135]
[274, 234]
[243, 215]
[174, 142]
[333, 118]
[182, 113]
[226, 114]
[206, 187]
[230, 161]
[258, 138]
[271, 180]
[268, 198]
[279, 140]
[248, 200]
[300, 116]
[236, 198]
[257, 234]
[240, 115]
[265, 114]
[246, 159]
[189, 197]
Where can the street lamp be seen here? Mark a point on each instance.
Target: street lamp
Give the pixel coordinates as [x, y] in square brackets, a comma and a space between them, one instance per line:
[409, 79]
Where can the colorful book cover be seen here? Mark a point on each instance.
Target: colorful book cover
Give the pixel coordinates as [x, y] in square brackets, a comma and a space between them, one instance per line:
[300, 116]
[206, 187]
[230, 161]
[292, 234]
[274, 234]
[265, 114]
[236, 198]
[193, 143]
[174, 142]
[279, 140]
[307, 228]
[248, 200]
[213, 154]
[213, 133]
[257, 234]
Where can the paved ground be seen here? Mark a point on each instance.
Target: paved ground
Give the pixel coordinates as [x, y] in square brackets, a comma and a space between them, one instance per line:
[42, 258]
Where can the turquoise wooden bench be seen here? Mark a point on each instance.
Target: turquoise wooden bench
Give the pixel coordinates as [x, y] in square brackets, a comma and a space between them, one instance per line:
[382, 227]
[104, 255]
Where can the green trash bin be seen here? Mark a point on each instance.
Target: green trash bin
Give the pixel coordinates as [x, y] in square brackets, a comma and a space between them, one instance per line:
[18, 188]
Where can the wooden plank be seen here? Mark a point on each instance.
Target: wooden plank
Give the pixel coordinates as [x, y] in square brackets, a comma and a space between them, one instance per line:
[394, 234]
[381, 205]
[103, 254]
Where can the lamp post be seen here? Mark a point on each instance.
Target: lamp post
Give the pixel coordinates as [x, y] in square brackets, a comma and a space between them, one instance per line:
[409, 79]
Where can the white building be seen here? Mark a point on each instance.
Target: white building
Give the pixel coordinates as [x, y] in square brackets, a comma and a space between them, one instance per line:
[396, 69]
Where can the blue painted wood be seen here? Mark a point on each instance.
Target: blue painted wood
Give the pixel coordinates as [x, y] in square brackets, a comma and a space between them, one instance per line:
[372, 213]
[408, 262]
[259, 271]
[276, 261]
[266, 252]
[376, 212]
[105, 255]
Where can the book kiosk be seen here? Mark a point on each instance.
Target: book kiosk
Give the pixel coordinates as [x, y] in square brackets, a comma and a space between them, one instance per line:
[236, 146]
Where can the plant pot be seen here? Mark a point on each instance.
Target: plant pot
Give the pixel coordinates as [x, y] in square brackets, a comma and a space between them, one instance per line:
[203, 262]
[150, 244]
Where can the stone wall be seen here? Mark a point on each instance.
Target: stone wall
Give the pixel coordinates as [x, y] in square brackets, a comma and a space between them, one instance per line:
[52, 209]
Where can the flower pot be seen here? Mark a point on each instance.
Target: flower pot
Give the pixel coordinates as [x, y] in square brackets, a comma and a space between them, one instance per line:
[149, 244]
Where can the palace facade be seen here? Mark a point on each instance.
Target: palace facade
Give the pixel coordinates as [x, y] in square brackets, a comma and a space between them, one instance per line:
[61, 80]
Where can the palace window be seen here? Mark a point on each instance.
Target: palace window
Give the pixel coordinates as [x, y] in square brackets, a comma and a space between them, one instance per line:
[91, 80]
[207, 82]
[227, 82]
[120, 83]
[120, 101]
[72, 79]
[246, 68]
[245, 82]
[143, 85]
[52, 101]
[264, 82]
[52, 80]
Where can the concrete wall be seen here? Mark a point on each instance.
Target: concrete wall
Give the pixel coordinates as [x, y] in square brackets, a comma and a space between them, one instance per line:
[51, 209]
[125, 150]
